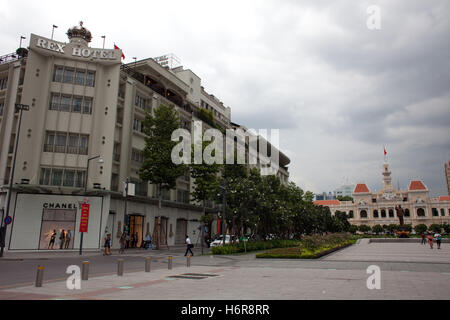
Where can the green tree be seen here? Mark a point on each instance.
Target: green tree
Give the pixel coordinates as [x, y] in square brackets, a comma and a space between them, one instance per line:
[364, 228]
[353, 228]
[392, 228]
[157, 167]
[343, 218]
[344, 198]
[446, 227]
[377, 229]
[435, 227]
[420, 228]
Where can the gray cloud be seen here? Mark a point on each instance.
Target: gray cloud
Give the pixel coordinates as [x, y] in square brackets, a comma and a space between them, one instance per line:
[337, 90]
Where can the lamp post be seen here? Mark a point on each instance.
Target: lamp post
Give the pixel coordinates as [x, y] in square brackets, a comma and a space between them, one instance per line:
[224, 189]
[19, 107]
[103, 41]
[53, 29]
[100, 160]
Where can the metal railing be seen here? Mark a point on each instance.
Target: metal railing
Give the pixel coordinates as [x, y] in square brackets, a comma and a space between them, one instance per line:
[10, 57]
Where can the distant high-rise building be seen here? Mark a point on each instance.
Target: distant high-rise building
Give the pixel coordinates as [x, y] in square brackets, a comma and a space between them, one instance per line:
[447, 175]
[344, 190]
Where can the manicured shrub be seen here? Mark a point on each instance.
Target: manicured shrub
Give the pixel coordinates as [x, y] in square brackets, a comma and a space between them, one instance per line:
[420, 228]
[435, 227]
[377, 229]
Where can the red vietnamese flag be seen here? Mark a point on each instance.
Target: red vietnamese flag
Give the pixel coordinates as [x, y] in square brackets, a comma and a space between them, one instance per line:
[117, 48]
[385, 153]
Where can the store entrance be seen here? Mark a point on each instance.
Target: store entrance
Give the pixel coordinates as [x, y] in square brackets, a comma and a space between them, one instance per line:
[136, 231]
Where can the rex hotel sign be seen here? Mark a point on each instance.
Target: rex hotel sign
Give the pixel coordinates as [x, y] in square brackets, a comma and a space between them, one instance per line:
[76, 51]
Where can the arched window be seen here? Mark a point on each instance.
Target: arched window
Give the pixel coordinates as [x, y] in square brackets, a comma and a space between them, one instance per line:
[435, 212]
[375, 213]
[350, 214]
[363, 214]
[391, 213]
[383, 213]
[407, 213]
[442, 212]
[420, 212]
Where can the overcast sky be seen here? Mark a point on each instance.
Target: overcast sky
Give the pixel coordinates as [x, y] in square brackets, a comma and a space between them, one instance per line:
[337, 90]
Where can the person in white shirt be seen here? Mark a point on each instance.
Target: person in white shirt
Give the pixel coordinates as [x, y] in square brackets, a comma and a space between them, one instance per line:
[189, 246]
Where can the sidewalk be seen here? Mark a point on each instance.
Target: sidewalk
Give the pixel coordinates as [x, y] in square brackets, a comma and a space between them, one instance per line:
[55, 254]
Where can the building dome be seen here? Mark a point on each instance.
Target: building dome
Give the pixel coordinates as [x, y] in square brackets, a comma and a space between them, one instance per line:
[79, 34]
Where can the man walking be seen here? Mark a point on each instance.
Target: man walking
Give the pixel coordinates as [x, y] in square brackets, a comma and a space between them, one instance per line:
[424, 241]
[189, 246]
[438, 238]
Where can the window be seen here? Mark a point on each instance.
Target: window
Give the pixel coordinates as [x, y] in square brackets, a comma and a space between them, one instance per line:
[45, 176]
[58, 75]
[420, 212]
[442, 212]
[56, 177]
[68, 75]
[407, 214]
[1, 108]
[3, 83]
[137, 125]
[375, 213]
[69, 178]
[73, 143]
[90, 78]
[350, 214]
[80, 76]
[66, 102]
[61, 140]
[87, 105]
[136, 155]
[383, 213]
[84, 139]
[140, 102]
[374, 200]
[435, 212]
[363, 214]
[183, 196]
[391, 213]
[54, 101]
[77, 102]
[80, 179]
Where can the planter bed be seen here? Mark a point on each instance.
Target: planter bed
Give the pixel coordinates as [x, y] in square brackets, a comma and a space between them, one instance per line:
[300, 253]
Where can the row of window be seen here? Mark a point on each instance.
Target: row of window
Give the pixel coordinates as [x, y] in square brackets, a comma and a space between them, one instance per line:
[3, 83]
[68, 103]
[80, 77]
[420, 213]
[64, 142]
[62, 177]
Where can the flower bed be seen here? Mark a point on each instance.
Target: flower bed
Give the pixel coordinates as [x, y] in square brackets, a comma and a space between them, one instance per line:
[311, 247]
[253, 246]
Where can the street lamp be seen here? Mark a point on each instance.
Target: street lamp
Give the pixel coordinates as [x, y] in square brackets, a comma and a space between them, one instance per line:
[224, 189]
[100, 160]
[21, 37]
[19, 107]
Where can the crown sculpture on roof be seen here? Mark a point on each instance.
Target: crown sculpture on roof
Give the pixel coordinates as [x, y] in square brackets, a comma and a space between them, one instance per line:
[79, 34]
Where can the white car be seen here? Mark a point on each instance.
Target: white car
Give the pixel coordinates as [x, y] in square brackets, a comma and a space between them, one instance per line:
[219, 241]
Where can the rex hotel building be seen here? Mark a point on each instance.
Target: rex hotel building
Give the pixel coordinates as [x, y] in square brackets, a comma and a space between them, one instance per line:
[83, 103]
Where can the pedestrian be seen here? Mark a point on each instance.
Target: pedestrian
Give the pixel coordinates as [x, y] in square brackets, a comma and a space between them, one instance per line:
[62, 239]
[148, 241]
[68, 238]
[107, 251]
[424, 241]
[189, 245]
[52, 240]
[438, 238]
[127, 240]
[122, 242]
[430, 240]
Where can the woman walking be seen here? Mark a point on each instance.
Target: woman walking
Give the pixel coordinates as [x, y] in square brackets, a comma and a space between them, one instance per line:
[438, 238]
[122, 242]
[107, 245]
[430, 240]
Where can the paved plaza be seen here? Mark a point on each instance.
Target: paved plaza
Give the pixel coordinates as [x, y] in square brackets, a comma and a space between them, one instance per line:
[408, 271]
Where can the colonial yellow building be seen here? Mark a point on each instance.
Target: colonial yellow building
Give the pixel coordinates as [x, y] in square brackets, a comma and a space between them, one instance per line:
[373, 208]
